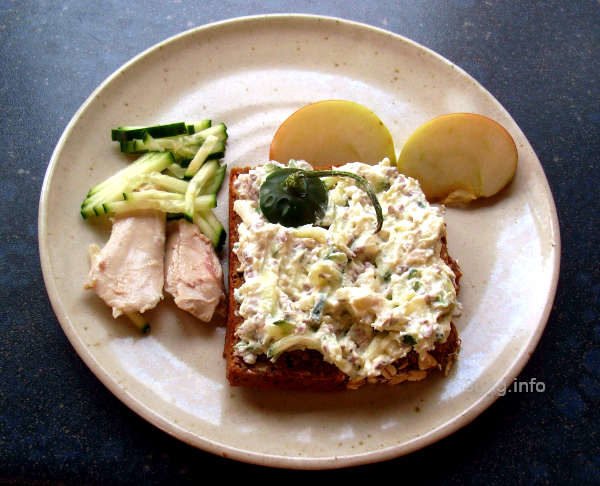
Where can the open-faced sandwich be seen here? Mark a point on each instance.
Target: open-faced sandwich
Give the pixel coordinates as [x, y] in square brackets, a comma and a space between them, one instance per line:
[337, 278]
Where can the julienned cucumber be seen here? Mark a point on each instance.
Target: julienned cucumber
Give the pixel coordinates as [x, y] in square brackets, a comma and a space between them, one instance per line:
[139, 321]
[126, 133]
[183, 147]
[207, 180]
[213, 186]
[211, 145]
[210, 226]
[197, 127]
[170, 154]
[196, 185]
[122, 134]
[137, 201]
[112, 189]
[208, 223]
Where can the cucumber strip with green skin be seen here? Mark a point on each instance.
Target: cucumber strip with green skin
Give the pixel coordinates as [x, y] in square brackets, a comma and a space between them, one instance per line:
[217, 181]
[124, 207]
[205, 228]
[129, 146]
[218, 233]
[204, 151]
[142, 165]
[196, 184]
[177, 170]
[219, 130]
[169, 183]
[170, 206]
[183, 147]
[198, 126]
[112, 189]
[152, 194]
[123, 134]
[149, 144]
[210, 218]
[108, 194]
[216, 151]
[128, 133]
[112, 193]
[139, 321]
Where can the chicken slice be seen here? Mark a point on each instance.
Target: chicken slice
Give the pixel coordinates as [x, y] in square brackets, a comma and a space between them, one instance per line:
[128, 273]
[193, 273]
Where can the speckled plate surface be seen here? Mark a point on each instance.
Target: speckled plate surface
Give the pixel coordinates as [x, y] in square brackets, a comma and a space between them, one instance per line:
[252, 73]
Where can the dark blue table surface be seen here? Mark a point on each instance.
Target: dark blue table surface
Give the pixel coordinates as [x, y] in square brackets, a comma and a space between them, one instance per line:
[540, 60]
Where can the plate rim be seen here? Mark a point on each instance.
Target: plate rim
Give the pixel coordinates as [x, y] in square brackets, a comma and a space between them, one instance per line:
[457, 422]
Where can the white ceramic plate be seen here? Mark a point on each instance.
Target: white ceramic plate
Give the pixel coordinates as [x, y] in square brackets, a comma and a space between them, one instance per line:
[252, 73]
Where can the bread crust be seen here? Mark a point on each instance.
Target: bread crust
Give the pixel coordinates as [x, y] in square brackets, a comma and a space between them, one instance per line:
[306, 370]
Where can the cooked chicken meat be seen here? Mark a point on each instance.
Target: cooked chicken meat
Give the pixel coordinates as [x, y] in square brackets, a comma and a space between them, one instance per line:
[193, 274]
[128, 273]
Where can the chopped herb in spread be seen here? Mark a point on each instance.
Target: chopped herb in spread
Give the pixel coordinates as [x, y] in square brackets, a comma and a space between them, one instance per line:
[408, 339]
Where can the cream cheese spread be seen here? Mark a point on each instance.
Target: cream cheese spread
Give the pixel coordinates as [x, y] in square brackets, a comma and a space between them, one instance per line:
[361, 299]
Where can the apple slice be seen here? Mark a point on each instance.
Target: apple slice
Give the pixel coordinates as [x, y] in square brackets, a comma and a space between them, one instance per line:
[459, 157]
[332, 132]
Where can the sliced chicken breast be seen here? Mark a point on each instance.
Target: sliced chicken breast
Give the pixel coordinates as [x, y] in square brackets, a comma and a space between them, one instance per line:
[128, 273]
[193, 273]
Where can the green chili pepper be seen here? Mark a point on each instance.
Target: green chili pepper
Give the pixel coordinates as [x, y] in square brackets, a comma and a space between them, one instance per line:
[294, 197]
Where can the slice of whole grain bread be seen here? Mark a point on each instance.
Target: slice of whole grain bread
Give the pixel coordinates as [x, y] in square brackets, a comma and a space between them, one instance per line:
[306, 370]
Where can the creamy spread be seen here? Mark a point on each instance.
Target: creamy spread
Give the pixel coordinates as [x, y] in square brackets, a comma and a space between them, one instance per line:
[362, 299]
